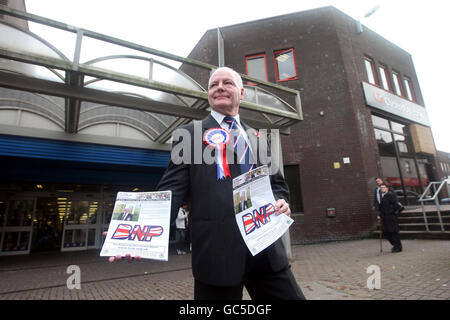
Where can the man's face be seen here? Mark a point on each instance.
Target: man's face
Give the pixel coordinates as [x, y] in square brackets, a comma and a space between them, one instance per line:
[378, 181]
[224, 94]
[384, 189]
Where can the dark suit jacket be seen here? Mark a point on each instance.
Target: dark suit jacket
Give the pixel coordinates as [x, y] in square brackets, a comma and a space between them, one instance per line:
[376, 204]
[388, 207]
[218, 250]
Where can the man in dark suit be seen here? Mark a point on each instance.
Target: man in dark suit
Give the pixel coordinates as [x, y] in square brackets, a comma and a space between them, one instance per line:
[388, 216]
[221, 262]
[377, 193]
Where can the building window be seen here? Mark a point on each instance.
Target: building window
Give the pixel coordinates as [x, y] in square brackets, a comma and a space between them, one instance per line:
[285, 67]
[408, 89]
[402, 144]
[397, 87]
[256, 67]
[398, 127]
[402, 168]
[385, 143]
[384, 74]
[292, 176]
[370, 69]
[380, 122]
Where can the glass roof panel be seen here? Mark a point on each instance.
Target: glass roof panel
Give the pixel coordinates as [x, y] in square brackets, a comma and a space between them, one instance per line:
[132, 67]
[92, 49]
[62, 40]
[112, 86]
[20, 41]
[164, 74]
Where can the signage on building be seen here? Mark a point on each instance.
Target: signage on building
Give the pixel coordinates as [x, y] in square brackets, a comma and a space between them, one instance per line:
[422, 139]
[383, 100]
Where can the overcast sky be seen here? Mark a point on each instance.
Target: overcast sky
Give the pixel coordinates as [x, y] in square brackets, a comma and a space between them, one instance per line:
[419, 27]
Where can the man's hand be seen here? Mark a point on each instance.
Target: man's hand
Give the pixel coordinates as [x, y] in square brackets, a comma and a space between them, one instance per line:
[282, 207]
[127, 257]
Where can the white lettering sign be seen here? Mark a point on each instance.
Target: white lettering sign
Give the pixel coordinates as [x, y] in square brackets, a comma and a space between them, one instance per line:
[383, 100]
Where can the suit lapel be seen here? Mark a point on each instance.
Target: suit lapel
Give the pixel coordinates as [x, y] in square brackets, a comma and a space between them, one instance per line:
[209, 122]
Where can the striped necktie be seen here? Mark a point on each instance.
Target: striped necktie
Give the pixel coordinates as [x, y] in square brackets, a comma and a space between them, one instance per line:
[241, 147]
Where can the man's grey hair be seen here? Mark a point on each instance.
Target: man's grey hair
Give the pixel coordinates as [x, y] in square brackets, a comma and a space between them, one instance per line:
[236, 76]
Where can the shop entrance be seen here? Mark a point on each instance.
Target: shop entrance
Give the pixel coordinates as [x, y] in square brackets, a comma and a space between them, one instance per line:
[47, 225]
[16, 225]
[81, 222]
[39, 223]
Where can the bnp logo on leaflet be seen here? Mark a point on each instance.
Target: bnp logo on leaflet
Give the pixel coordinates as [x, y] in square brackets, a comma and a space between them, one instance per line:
[257, 218]
[141, 233]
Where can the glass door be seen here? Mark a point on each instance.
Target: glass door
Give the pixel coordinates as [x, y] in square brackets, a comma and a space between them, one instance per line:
[47, 226]
[81, 227]
[108, 206]
[16, 225]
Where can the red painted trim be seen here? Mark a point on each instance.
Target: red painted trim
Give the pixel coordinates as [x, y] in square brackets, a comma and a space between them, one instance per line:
[253, 56]
[276, 64]
[383, 68]
[409, 82]
[374, 71]
[400, 84]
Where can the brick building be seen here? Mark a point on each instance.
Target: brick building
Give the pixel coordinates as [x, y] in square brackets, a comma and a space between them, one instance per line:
[364, 114]
[362, 107]
[444, 162]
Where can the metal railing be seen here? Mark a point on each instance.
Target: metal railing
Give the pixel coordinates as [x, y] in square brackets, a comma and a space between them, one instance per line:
[436, 188]
[74, 65]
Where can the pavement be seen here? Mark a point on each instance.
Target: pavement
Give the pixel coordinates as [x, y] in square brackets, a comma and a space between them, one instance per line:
[325, 271]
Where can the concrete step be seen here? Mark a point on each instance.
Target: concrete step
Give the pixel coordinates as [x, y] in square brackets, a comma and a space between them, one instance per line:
[412, 225]
[407, 220]
[421, 226]
[420, 214]
[440, 235]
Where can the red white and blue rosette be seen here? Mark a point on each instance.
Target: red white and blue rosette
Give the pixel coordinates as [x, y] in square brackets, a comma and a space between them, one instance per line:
[218, 138]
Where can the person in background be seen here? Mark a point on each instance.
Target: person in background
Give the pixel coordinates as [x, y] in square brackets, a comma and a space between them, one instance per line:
[180, 224]
[388, 216]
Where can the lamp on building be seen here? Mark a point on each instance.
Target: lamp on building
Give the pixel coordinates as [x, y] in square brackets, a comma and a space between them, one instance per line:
[359, 27]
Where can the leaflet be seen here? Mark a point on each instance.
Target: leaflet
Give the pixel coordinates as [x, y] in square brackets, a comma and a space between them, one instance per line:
[254, 207]
[140, 225]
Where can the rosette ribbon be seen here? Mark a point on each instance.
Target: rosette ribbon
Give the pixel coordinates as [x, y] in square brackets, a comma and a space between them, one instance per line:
[218, 138]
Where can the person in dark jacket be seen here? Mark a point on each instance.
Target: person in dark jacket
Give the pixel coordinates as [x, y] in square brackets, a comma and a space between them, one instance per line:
[377, 193]
[388, 216]
[221, 262]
